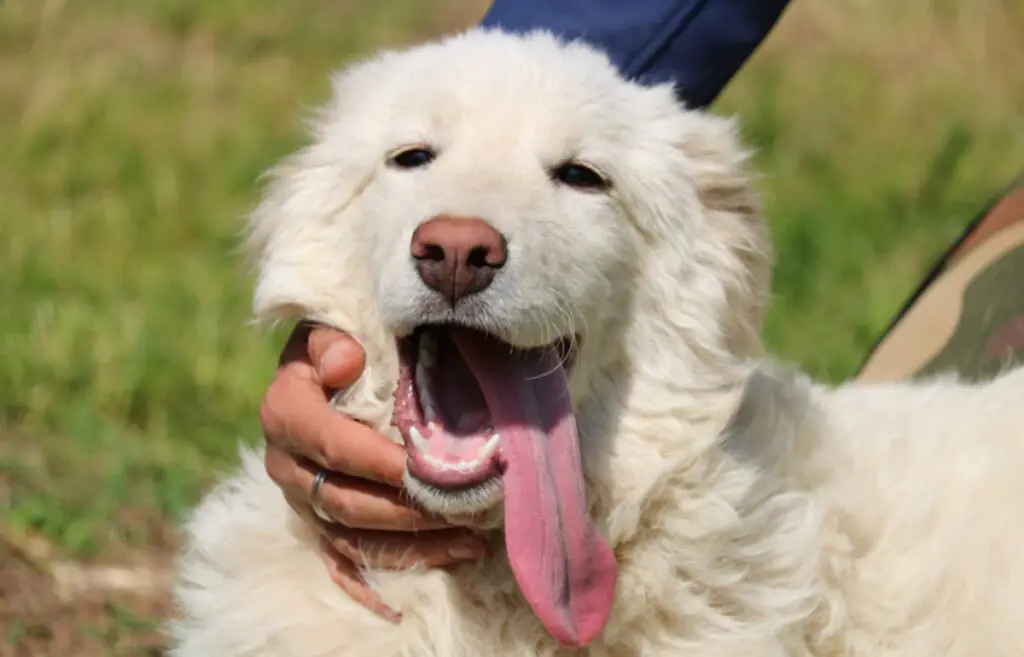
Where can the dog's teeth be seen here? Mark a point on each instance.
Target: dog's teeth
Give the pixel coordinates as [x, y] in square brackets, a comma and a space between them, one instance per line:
[458, 466]
[418, 441]
[423, 388]
[428, 349]
[489, 447]
[426, 360]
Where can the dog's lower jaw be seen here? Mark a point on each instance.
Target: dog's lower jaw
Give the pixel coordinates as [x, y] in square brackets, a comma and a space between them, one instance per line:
[464, 507]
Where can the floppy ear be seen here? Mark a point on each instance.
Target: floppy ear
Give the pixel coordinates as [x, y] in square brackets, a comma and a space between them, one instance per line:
[305, 244]
[739, 248]
[302, 241]
[702, 211]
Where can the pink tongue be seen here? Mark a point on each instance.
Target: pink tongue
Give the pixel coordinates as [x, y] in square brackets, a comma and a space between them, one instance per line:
[564, 567]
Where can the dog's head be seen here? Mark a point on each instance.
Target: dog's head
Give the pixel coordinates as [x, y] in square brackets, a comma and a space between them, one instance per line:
[502, 220]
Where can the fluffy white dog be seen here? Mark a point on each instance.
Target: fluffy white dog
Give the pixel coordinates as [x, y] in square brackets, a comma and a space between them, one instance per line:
[559, 277]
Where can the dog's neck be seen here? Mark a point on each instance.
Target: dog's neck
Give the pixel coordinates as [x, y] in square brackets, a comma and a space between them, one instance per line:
[672, 380]
[685, 453]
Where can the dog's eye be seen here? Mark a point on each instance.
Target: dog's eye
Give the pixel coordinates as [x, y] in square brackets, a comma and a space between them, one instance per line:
[412, 158]
[580, 176]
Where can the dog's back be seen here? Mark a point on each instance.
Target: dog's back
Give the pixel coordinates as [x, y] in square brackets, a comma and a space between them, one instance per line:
[924, 482]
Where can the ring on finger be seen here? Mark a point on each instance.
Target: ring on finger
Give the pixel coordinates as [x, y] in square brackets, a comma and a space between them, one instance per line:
[314, 497]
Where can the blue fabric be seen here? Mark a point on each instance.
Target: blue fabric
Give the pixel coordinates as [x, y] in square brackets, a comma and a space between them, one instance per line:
[698, 45]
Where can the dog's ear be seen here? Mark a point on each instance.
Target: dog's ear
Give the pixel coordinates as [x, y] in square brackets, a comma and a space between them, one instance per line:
[306, 245]
[702, 210]
[301, 246]
[739, 245]
[303, 239]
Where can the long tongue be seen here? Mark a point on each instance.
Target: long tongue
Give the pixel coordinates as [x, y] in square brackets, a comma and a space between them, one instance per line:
[564, 567]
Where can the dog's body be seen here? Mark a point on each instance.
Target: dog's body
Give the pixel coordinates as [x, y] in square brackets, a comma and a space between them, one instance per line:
[749, 511]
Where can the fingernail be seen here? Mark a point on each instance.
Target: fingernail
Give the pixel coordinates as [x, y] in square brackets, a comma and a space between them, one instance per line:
[331, 359]
[464, 552]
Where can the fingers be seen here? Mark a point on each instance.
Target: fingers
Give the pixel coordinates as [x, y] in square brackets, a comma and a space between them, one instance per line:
[397, 551]
[297, 419]
[346, 575]
[374, 525]
[354, 503]
[338, 357]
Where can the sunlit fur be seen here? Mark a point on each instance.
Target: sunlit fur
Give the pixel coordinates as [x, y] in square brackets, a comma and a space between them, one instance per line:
[752, 511]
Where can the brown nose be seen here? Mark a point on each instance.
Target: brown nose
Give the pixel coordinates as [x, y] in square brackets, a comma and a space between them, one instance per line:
[457, 256]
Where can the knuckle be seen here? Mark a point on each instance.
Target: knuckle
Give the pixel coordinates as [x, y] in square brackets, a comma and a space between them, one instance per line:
[277, 467]
[301, 509]
[271, 463]
[330, 448]
[341, 508]
[271, 407]
[268, 420]
[325, 453]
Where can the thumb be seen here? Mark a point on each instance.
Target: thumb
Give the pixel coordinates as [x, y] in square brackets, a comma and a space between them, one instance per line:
[337, 356]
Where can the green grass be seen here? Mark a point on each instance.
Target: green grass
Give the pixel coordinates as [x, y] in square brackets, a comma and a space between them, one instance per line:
[881, 129]
[133, 134]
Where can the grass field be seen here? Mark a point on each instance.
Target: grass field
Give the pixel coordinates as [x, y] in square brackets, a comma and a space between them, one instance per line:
[133, 132]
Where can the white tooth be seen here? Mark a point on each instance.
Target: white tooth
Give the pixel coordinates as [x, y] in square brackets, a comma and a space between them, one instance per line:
[489, 447]
[426, 360]
[421, 380]
[428, 349]
[418, 441]
[423, 388]
[459, 466]
[466, 466]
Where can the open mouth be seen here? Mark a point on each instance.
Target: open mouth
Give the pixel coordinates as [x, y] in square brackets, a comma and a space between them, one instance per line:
[480, 415]
[452, 399]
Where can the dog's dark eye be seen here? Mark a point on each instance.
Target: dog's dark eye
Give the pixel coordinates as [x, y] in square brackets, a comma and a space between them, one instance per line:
[579, 176]
[412, 158]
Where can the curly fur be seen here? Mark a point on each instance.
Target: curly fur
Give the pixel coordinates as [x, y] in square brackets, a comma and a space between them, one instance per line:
[752, 511]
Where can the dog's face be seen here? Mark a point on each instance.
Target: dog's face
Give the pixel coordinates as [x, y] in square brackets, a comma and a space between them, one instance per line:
[491, 206]
[495, 203]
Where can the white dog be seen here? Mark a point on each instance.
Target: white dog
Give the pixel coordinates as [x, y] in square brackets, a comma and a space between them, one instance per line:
[559, 277]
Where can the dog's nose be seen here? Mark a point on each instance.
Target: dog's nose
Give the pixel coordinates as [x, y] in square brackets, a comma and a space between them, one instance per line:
[457, 256]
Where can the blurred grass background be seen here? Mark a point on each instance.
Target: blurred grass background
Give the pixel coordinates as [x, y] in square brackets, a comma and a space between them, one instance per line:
[132, 134]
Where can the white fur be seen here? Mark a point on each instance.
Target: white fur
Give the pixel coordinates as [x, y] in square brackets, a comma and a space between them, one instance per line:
[752, 511]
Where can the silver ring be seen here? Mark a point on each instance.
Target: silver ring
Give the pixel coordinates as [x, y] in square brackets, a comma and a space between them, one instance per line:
[314, 496]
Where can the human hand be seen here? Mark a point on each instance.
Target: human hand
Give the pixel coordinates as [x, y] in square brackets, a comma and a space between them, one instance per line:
[374, 525]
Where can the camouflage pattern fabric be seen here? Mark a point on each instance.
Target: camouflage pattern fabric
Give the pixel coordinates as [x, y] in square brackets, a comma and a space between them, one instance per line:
[990, 334]
[968, 314]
